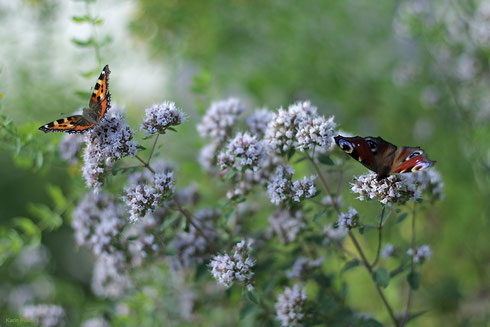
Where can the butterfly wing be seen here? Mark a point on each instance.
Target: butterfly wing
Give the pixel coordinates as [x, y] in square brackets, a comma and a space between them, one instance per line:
[101, 98]
[373, 152]
[409, 159]
[72, 124]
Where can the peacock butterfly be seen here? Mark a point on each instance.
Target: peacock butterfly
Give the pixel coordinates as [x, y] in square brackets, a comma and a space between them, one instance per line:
[383, 157]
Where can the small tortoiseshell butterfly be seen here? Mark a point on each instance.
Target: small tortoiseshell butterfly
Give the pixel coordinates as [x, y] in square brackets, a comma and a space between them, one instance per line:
[383, 157]
[97, 107]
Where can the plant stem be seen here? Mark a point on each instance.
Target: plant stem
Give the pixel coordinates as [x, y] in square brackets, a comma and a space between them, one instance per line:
[356, 243]
[189, 219]
[412, 267]
[145, 164]
[380, 236]
[152, 149]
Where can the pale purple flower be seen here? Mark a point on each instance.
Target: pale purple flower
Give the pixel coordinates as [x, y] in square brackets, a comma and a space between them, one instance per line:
[227, 269]
[242, 152]
[109, 279]
[286, 224]
[335, 233]
[220, 118]
[348, 220]
[282, 188]
[302, 266]
[397, 188]
[45, 315]
[317, 131]
[420, 254]
[290, 306]
[160, 117]
[388, 251]
[106, 143]
[191, 246]
[97, 222]
[303, 189]
[257, 122]
[70, 147]
[96, 322]
[164, 183]
[141, 199]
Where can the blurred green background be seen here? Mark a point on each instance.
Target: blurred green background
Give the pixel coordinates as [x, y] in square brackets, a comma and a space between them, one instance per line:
[413, 72]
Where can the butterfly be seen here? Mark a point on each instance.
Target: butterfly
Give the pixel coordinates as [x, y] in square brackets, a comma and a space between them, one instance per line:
[383, 157]
[97, 107]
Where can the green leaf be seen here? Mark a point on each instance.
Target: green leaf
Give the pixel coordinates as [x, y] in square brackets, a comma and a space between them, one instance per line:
[27, 226]
[228, 214]
[325, 159]
[401, 217]
[319, 214]
[247, 309]
[170, 220]
[349, 265]
[147, 137]
[82, 43]
[229, 175]
[413, 279]
[140, 147]
[56, 195]
[290, 153]
[381, 277]
[253, 296]
[81, 19]
[50, 219]
[133, 238]
[172, 129]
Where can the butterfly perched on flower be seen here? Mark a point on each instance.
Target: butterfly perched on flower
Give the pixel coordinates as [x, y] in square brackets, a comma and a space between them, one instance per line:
[383, 157]
[97, 107]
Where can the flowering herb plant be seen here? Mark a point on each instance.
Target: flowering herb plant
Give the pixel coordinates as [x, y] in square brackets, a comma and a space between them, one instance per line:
[282, 164]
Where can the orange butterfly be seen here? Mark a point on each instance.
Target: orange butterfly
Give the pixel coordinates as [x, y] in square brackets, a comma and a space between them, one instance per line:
[97, 107]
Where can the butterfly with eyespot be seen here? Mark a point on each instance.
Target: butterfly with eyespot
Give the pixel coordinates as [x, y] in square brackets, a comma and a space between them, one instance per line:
[383, 157]
[97, 107]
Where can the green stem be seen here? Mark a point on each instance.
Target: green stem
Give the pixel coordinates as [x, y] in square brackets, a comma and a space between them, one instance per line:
[412, 268]
[380, 237]
[356, 243]
[145, 164]
[152, 149]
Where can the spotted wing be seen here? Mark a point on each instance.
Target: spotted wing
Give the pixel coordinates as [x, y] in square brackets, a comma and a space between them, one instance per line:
[72, 124]
[101, 98]
[373, 152]
[409, 159]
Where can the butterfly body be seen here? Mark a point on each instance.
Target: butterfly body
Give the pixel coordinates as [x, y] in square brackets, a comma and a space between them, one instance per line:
[383, 157]
[91, 116]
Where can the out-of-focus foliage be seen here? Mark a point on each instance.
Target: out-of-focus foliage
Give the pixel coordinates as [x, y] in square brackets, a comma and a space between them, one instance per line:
[414, 72]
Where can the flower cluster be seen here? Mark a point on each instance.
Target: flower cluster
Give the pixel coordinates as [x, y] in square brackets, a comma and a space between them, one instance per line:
[335, 233]
[45, 315]
[160, 117]
[257, 122]
[299, 127]
[220, 119]
[348, 220]
[393, 189]
[108, 142]
[217, 123]
[191, 246]
[142, 199]
[281, 188]
[109, 278]
[143, 238]
[286, 224]
[420, 254]
[302, 266]
[226, 269]
[243, 152]
[388, 251]
[290, 306]
[97, 221]
[96, 322]
[70, 147]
